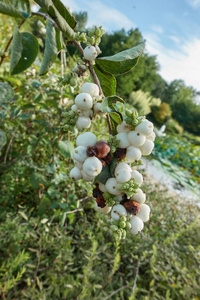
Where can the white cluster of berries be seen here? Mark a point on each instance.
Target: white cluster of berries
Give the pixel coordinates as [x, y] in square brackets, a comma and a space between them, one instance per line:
[120, 192]
[86, 104]
[86, 168]
[137, 142]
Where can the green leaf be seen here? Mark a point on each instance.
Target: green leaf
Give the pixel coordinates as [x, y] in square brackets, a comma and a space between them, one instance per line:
[63, 11]
[22, 5]
[9, 10]
[36, 179]
[108, 103]
[121, 62]
[28, 53]
[6, 92]
[23, 215]
[116, 116]
[50, 51]
[104, 175]
[3, 139]
[66, 148]
[107, 81]
[59, 13]
[16, 49]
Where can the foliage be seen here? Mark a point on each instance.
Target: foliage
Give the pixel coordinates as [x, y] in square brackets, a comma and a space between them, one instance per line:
[162, 113]
[173, 126]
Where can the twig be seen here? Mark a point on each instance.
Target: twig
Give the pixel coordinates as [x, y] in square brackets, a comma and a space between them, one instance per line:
[126, 286]
[8, 45]
[74, 211]
[8, 148]
[46, 17]
[115, 292]
[136, 275]
[38, 264]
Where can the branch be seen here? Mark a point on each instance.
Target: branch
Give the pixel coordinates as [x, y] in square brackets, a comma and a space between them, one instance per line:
[3, 56]
[46, 17]
[126, 286]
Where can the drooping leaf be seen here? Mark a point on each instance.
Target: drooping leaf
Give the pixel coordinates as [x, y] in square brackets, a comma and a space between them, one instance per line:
[121, 62]
[50, 51]
[107, 81]
[66, 148]
[59, 40]
[60, 15]
[104, 175]
[108, 103]
[3, 139]
[6, 92]
[9, 10]
[64, 12]
[16, 49]
[28, 54]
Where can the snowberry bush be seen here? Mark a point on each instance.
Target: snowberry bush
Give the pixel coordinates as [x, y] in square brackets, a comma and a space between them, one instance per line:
[110, 164]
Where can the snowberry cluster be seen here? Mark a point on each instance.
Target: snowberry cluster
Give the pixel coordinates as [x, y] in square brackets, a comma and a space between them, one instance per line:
[118, 189]
[86, 104]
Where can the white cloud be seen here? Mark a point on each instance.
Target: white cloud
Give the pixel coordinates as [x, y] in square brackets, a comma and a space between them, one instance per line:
[100, 14]
[74, 7]
[175, 39]
[157, 28]
[183, 63]
[194, 3]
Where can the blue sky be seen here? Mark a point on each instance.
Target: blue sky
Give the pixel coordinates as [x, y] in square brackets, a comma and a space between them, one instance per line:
[171, 29]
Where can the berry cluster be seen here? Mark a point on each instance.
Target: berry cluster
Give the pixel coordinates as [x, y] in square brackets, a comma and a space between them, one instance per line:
[86, 104]
[118, 190]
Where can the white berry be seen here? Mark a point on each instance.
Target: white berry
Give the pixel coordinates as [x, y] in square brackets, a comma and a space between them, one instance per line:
[97, 108]
[136, 138]
[145, 128]
[80, 153]
[147, 147]
[90, 88]
[111, 186]
[133, 154]
[90, 53]
[92, 166]
[139, 196]
[102, 187]
[122, 137]
[83, 123]
[122, 175]
[124, 127]
[84, 101]
[151, 137]
[144, 212]
[86, 139]
[137, 225]
[118, 211]
[78, 164]
[75, 173]
[137, 176]
[86, 177]
[105, 210]
[122, 165]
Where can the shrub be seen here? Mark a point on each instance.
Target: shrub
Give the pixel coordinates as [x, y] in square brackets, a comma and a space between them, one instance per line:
[173, 126]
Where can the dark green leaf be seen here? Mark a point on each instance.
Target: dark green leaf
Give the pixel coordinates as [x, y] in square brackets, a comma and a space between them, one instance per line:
[104, 175]
[59, 40]
[58, 13]
[121, 62]
[66, 148]
[3, 139]
[63, 11]
[9, 10]
[107, 81]
[50, 51]
[16, 49]
[22, 5]
[6, 92]
[28, 55]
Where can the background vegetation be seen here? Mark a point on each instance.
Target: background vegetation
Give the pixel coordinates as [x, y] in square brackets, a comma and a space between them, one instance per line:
[54, 245]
